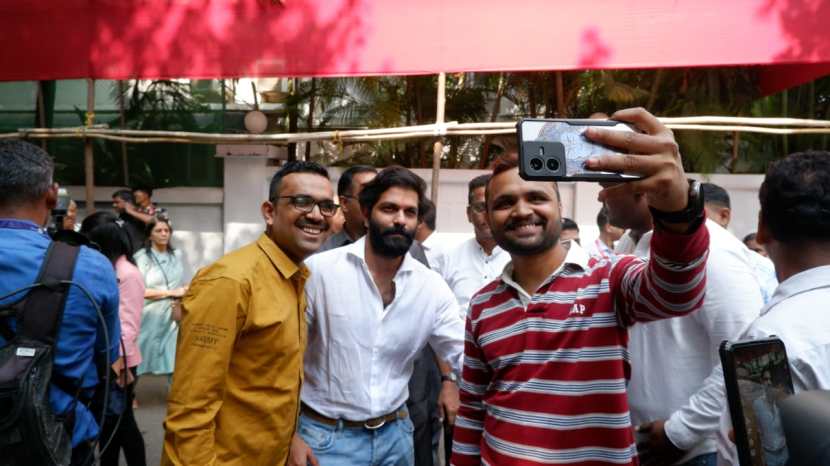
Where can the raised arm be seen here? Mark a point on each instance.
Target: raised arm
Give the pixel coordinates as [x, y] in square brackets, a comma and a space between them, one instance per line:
[672, 283]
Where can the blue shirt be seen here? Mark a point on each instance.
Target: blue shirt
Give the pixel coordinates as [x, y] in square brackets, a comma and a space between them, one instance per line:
[80, 336]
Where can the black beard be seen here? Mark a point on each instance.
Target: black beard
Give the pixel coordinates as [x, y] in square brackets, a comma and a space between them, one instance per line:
[547, 241]
[386, 243]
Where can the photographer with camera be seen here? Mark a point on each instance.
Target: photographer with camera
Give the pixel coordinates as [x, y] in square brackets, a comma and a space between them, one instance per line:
[79, 343]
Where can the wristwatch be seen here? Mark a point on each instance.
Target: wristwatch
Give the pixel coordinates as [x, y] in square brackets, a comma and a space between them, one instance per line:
[693, 214]
[451, 377]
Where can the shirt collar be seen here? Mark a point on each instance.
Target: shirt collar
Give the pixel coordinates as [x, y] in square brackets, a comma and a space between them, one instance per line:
[281, 261]
[573, 261]
[358, 251]
[810, 279]
[20, 224]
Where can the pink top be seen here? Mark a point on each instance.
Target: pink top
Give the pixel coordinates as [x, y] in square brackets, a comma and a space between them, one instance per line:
[130, 305]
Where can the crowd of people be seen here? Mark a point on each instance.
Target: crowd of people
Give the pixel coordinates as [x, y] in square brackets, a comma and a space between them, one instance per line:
[347, 334]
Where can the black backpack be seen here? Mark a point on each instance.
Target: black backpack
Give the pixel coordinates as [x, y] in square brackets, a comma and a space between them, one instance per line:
[30, 432]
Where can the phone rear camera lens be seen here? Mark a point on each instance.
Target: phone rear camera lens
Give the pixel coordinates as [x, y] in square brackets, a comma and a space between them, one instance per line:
[553, 165]
[536, 163]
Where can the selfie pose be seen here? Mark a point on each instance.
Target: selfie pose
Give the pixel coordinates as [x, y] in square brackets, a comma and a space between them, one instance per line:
[545, 364]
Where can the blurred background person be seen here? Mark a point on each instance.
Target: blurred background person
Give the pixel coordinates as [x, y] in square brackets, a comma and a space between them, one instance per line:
[603, 246]
[717, 204]
[145, 208]
[349, 185]
[161, 267]
[71, 217]
[105, 230]
[123, 202]
[752, 243]
[570, 231]
[435, 254]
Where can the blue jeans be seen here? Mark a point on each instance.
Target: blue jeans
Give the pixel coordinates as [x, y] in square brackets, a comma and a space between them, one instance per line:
[390, 445]
[706, 459]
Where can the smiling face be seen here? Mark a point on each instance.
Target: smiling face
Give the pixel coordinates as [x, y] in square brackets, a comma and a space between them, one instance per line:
[524, 216]
[297, 233]
[392, 222]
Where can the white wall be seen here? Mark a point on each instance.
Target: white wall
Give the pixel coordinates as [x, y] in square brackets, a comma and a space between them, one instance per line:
[209, 222]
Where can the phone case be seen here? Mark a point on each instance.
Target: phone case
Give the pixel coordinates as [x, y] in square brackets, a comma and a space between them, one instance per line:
[739, 360]
[556, 150]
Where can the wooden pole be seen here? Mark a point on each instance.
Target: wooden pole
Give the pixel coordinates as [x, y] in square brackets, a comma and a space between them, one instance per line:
[438, 147]
[89, 162]
[560, 95]
[125, 166]
[41, 111]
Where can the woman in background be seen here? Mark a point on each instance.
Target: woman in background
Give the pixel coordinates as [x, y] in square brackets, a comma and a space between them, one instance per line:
[105, 230]
[161, 267]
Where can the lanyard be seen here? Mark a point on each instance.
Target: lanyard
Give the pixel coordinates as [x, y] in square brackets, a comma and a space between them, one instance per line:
[14, 224]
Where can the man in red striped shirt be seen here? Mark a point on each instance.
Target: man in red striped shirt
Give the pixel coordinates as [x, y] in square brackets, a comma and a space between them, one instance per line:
[546, 365]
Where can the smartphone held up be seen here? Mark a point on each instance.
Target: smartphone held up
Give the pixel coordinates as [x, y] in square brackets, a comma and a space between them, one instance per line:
[557, 149]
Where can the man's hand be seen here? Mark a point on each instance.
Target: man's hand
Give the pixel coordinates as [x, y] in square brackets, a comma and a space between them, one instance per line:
[300, 453]
[654, 155]
[656, 449]
[448, 402]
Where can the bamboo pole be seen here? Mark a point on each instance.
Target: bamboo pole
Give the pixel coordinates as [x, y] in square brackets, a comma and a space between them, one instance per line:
[407, 132]
[438, 146]
[89, 162]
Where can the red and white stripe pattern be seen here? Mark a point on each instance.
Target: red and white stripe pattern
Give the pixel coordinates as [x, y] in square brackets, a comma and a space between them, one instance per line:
[544, 382]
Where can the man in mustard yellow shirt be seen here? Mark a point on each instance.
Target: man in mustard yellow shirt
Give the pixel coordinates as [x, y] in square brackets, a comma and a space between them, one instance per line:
[239, 360]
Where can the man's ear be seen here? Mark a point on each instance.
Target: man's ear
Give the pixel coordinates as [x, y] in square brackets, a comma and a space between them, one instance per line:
[726, 216]
[51, 196]
[268, 212]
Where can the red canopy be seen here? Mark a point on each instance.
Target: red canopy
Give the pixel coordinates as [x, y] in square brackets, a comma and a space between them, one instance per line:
[118, 39]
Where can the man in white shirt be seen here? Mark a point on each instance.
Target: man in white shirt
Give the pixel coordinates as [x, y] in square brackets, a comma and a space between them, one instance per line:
[718, 208]
[671, 358]
[794, 227]
[477, 261]
[435, 254]
[603, 246]
[372, 308]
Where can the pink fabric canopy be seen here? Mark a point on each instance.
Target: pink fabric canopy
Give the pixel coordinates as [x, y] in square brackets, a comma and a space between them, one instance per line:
[118, 39]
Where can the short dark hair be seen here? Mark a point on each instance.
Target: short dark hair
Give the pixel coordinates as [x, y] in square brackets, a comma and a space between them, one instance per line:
[714, 194]
[429, 215]
[25, 173]
[107, 232]
[294, 166]
[392, 177]
[509, 162]
[750, 237]
[144, 188]
[344, 184]
[148, 229]
[568, 224]
[795, 198]
[602, 217]
[478, 182]
[124, 195]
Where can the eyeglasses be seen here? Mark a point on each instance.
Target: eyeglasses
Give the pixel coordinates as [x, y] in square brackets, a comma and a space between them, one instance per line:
[305, 204]
[478, 207]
